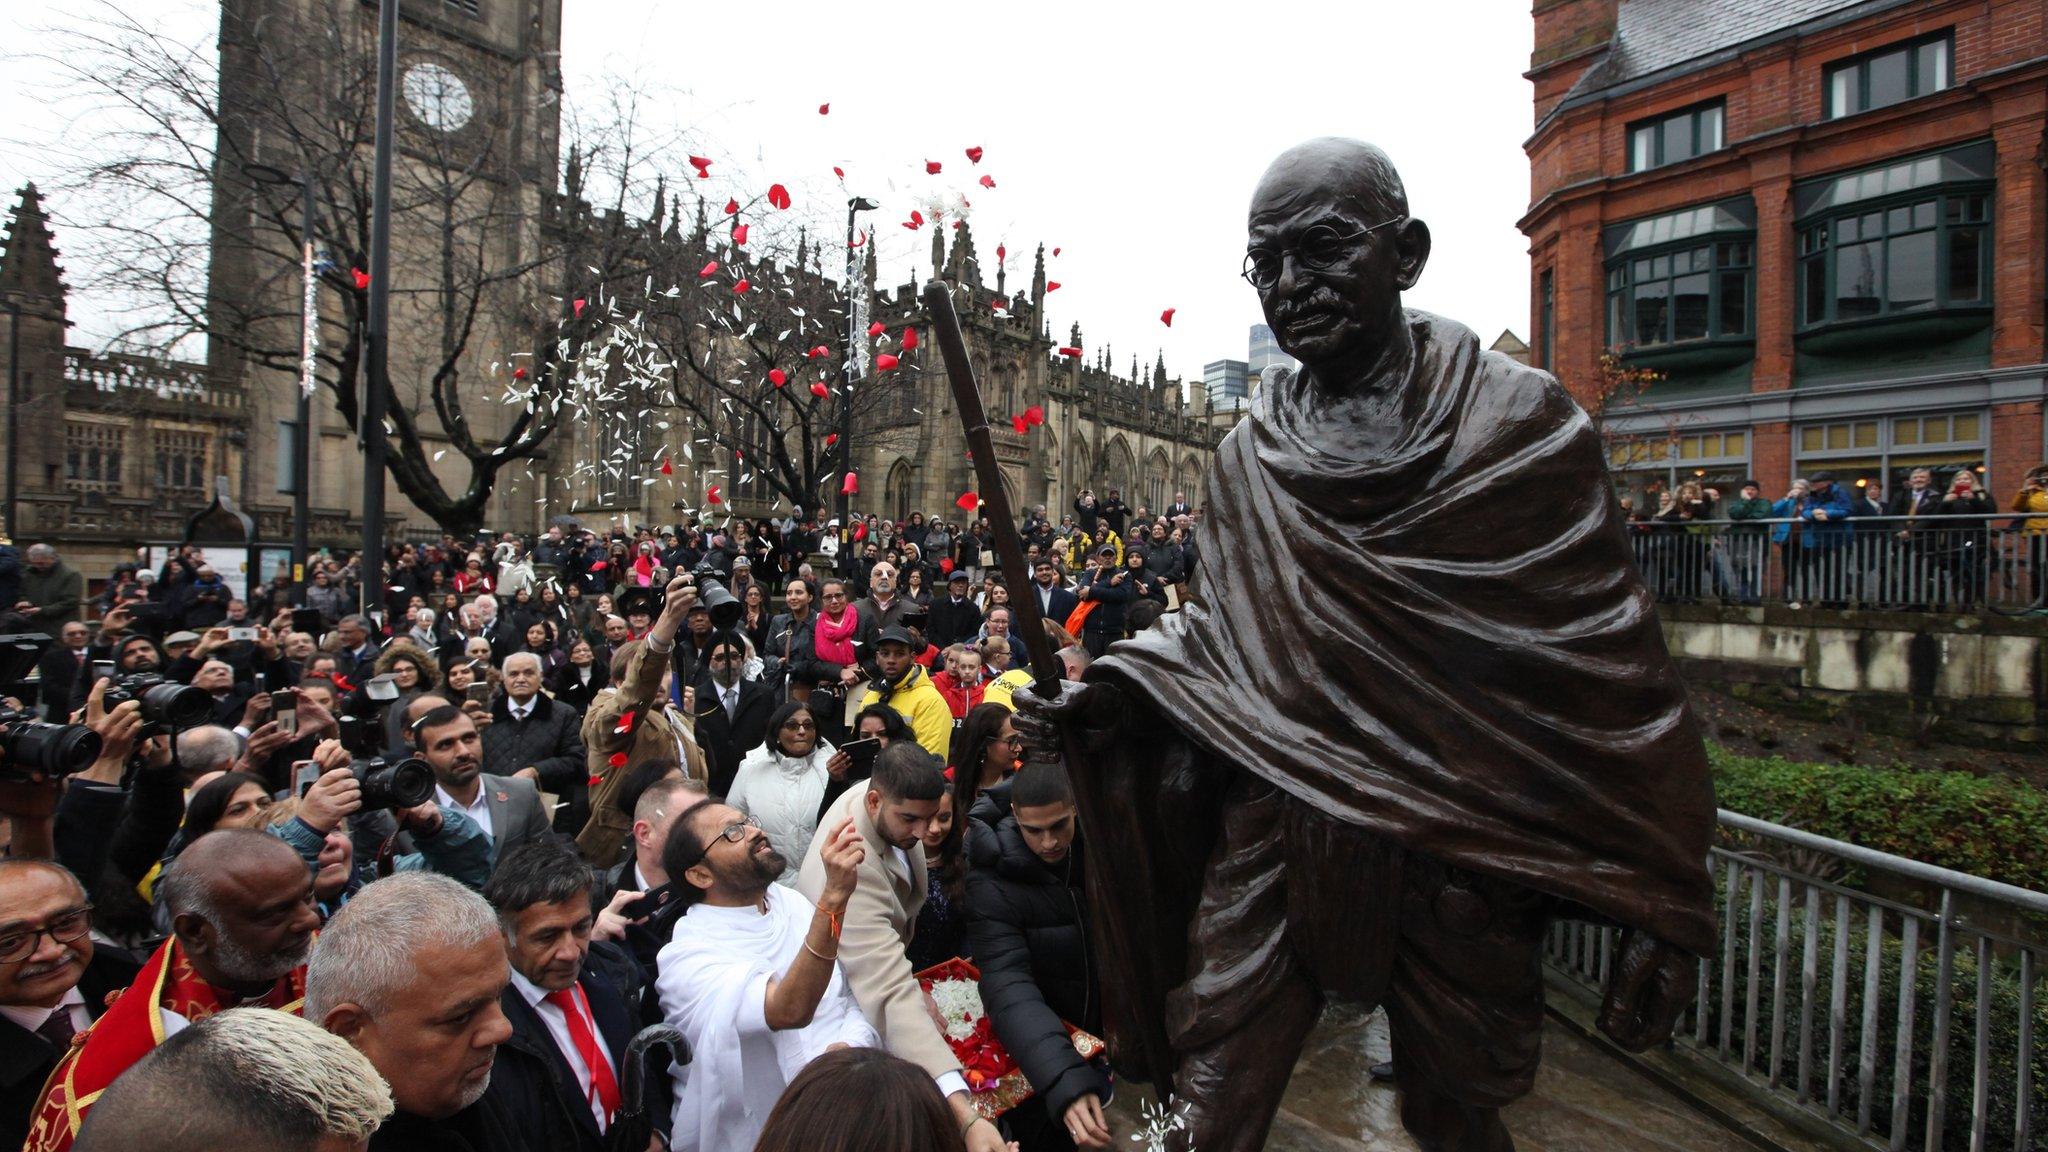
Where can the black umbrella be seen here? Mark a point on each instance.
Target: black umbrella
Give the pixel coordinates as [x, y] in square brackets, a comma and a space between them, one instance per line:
[633, 1127]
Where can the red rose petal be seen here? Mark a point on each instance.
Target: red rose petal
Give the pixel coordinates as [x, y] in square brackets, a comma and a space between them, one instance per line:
[968, 502]
[732, 207]
[831, 439]
[778, 196]
[361, 278]
[1020, 424]
[740, 289]
[815, 353]
[1166, 317]
[987, 181]
[860, 532]
[1055, 251]
[974, 154]
[706, 272]
[839, 172]
[819, 390]
[1074, 352]
[711, 496]
[668, 467]
[739, 234]
[851, 485]
[577, 306]
[931, 167]
[876, 329]
[824, 109]
[885, 363]
[1052, 285]
[702, 166]
[909, 340]
[519, 373]
[617, 760]
[1036, 413]
[778, 377]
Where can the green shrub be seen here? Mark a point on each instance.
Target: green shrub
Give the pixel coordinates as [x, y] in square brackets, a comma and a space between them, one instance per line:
[1986, 827]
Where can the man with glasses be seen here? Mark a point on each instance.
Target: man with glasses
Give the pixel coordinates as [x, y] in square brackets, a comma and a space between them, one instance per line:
[1493, 734]
[750, 976]
[53, 981]
[242, 923]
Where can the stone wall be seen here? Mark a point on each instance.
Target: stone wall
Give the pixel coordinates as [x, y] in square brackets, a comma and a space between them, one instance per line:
[1974, 678]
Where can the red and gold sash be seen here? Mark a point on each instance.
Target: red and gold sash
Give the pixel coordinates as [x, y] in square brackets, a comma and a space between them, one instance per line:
[130, 1030]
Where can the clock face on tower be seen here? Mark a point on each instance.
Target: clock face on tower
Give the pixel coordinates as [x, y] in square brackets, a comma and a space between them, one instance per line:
[437, 96]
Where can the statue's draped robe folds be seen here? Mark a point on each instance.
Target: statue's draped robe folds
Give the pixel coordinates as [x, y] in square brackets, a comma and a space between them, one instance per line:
[1445, 645]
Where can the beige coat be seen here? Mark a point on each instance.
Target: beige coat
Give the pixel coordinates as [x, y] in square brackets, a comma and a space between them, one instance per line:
[654, 735]
[879, 921]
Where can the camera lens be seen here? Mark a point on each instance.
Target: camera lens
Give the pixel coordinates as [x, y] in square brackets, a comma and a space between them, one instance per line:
[52, 749]
[178, 705]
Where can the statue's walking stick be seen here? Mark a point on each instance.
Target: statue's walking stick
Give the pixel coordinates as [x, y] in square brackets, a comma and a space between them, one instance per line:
[1045, 664]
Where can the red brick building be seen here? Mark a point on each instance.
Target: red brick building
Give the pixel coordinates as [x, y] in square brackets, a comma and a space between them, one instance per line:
[1824, 222]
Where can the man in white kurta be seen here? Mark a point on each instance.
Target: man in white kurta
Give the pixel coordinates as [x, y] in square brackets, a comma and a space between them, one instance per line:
[748, 962]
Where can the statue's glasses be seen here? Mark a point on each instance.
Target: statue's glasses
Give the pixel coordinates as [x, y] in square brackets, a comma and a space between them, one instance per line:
[64, 928]
[1320, 248]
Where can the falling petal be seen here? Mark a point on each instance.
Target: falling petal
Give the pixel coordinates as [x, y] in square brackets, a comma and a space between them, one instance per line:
[974, 154]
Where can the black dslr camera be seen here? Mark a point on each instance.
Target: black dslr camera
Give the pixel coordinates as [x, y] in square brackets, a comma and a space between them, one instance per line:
[167, 706]
[33, 747]
[406, 784]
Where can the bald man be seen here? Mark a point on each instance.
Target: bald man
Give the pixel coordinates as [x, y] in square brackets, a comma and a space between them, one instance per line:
[242, 924]
[1493, 736]
[53, 981]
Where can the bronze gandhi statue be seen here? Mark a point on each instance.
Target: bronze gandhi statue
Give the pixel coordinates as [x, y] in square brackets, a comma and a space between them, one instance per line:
[1421, 710]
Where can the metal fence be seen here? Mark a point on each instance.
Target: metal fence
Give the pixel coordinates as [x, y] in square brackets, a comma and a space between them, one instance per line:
[1961, 563]
[1892, 1001]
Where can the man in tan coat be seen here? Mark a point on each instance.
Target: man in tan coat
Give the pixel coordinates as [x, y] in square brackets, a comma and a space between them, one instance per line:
[892, 814]
[634, 723]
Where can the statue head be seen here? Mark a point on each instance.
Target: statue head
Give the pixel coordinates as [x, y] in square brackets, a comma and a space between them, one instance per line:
[1330, 250]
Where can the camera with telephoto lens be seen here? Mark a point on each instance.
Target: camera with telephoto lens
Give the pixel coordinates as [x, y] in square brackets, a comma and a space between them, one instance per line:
[167, 706]
[725, 608]
[408, 783]
[34, 748]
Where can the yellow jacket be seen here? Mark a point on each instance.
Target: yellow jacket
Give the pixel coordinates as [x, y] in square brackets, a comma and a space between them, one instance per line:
[2033, 500]
[917, 700]
[1003, 689]
[1083, 546]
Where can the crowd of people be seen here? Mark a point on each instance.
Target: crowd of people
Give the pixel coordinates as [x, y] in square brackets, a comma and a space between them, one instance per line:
[1836, 545]
[412, 866]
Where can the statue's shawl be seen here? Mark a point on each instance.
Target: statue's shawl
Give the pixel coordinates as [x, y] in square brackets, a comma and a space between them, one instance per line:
[1446, 644]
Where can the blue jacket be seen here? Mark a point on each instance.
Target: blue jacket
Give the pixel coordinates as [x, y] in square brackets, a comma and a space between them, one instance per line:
[1834, 531]
[461, 851]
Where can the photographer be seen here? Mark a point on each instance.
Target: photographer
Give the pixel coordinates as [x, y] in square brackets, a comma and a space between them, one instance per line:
[1108, 588]
[441, 839]
[110, 834]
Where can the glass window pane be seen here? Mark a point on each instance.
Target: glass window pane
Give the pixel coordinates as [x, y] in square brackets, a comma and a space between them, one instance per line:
[1848, 230]
[1923, 214]
[1810, 439]
[1678, 138]
[1905, 432]
[1931, 71]
[1842, 92]
[1816, 290]
[1689, 307]
[1733, 443]
[1887, 78]
[1866, 433]
[1689, 448]
[1734, 303]
[1617, 321]
[1968, 429]
[1642, 143]
[1965, 266]
[1934, 430]
[1910, 283]
[1710, 129]
[1838, 436]
[1859, 280]
[1900, 219]
[1651, 311]
[1660, 267]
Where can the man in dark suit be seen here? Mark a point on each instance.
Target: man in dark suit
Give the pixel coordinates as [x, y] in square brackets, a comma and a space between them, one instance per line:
[53, 982]
[536, 737]
[507, 808]
[732, 711]
[954, 617]
[359, 648]
[559, 1077]
[1055, 602]
[63, 670]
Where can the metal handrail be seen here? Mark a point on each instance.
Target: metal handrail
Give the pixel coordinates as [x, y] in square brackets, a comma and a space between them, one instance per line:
[1911, 869]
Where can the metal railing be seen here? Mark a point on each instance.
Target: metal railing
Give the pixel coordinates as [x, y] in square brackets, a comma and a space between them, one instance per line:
[1934, 563]
[1896, 1003]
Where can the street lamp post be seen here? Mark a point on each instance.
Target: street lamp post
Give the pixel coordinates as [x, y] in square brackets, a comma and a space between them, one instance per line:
[376, 359]
[302, 439]
[854, 207]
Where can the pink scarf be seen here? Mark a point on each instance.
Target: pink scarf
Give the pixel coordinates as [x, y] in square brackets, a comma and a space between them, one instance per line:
[835, 638]
[643, 570]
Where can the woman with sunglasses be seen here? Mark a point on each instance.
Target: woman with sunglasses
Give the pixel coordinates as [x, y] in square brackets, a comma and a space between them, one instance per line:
[782, 783]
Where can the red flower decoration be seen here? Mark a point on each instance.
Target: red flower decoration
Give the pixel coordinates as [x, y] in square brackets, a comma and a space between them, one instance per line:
[596, 780]
[626, 719]
[778, 377]
[909, 340]
[618, 760]
[778, 196]
[851, 485]
[361, 278]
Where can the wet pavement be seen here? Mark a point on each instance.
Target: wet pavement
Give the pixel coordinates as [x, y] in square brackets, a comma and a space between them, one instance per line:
[1584, 1100]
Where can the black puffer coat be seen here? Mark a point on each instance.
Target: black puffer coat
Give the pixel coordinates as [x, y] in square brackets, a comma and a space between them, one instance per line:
[1026, 923]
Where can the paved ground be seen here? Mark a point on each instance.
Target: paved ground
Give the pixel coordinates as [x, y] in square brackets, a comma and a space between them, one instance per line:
[1584, 1100]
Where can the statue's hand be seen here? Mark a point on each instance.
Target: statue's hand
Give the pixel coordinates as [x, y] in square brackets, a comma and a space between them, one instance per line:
[1090, 713]
[1646, 992]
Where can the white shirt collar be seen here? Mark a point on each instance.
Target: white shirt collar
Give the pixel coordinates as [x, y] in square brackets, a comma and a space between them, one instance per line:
[533, 993]
[32, 1018]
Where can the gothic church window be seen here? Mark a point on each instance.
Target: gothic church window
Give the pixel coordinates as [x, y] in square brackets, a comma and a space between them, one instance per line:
[92, 456]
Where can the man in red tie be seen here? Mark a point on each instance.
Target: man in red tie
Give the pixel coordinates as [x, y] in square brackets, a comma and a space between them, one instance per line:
[558, 1077]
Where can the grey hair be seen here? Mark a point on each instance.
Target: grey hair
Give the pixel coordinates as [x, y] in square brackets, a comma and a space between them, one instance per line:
[9, 865]
[208, 747]
[247, 1077]
[370, 950]
[36, 551]
[357, 620]
[507, 665]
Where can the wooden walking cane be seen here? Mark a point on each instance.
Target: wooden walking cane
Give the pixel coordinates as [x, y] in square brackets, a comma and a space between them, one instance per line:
[1045, 663]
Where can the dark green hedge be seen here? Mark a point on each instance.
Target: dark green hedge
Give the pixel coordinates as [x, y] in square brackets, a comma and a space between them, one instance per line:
[1986, 827]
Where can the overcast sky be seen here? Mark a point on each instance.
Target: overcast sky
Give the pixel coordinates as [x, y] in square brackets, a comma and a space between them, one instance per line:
[1129, 135]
